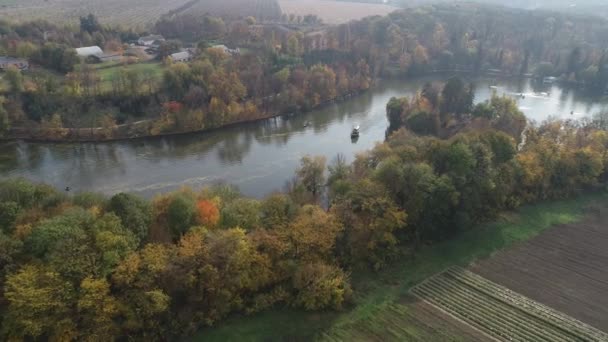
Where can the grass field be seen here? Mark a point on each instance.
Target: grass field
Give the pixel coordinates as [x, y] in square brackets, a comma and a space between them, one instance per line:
[151, 70]
[383, 310]
[131, 13]
[334, 12]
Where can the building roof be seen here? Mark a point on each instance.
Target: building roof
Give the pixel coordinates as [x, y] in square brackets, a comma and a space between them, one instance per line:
[89, 51]
[110, 54]
[180, 55]
[4, 59]
[225, 49]
[152, 37]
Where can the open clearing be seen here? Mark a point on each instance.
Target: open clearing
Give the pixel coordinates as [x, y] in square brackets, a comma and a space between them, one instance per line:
[499, 312]
[334, 12]
[564, 268]
[131, 13]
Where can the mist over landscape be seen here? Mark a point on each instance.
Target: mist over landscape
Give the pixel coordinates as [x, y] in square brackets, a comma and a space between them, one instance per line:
[303, 170]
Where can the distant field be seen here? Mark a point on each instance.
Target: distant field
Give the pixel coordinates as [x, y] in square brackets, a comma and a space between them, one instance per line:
[132, 13]
[334, 12]
[261, 9]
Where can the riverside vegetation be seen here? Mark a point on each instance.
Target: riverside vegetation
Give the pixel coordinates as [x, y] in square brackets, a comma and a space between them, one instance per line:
[90, 267]
[285, 66]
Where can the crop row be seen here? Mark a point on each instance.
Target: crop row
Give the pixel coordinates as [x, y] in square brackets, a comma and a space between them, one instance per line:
[499, 312]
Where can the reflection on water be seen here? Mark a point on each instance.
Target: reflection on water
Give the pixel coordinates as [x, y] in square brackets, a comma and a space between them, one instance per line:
[258, 157]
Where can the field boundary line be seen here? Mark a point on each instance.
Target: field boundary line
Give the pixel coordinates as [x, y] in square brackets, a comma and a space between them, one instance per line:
[436, 307]
[450, 290]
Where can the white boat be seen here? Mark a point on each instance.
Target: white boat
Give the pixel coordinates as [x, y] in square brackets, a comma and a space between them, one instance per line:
[355, 132]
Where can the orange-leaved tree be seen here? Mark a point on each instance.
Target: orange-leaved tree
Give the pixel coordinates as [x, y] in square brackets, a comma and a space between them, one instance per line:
[208, 213]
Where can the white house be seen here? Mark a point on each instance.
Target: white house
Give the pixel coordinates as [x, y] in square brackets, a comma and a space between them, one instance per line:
[183, 56]
[89, 51]
[227, 50]
[150, 40]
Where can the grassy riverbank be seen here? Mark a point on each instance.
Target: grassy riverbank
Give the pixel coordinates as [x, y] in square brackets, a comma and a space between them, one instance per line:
[381, 309]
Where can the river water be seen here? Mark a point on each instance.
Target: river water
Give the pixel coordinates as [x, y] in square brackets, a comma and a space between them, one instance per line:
[258, 157]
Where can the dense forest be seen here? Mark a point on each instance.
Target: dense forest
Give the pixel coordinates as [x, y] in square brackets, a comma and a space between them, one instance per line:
[285, 67]
[83, 266]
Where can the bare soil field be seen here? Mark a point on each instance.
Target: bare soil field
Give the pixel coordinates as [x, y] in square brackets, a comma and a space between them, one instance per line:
[261, 9]
[334, 12]
[565, 268]
[131, 13]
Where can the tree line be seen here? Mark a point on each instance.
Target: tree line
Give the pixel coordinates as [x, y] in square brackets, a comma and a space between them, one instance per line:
[85, 266]
[283, 68]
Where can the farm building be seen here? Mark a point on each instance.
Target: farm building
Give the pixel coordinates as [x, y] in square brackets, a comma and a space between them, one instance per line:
[227, 50]
[317, 40]
[104, 57]
[150, 40]
[183, 56]
[18, 63]
[89, 51]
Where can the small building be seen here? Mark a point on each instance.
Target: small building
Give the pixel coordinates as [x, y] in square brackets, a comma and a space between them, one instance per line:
[227, 50]
[316, 41]
[89, 51]
[104, 57]
[549, 80]
[183, 56]
[6, 62]
[110, 56]
[150, 40]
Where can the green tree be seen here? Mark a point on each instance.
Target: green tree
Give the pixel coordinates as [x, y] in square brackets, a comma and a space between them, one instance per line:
[243, 213]
[276, 211]
[15, 79]
[181, 214]
[5, 123]
[311, 174]
[134, 213]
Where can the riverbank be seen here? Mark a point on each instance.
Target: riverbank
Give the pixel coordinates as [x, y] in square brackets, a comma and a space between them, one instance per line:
[136, 130]
[382, 307]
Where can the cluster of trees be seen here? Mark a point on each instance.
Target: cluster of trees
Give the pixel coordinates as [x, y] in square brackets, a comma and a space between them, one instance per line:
[219, 89]
[52, 46]
[288, 69]
[88, 267]
[85, 266]
[91, 267]
[480, 37]
[444, 110]
[215, 89]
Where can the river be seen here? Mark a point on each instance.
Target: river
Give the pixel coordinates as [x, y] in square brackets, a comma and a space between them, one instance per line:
[257, 157]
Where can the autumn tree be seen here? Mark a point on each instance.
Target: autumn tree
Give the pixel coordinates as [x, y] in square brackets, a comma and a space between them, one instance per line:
[40, 305]
[320, 286]
[208, 213]
[311, 174]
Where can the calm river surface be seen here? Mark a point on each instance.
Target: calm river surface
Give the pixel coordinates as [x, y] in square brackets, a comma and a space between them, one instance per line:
[257, 157]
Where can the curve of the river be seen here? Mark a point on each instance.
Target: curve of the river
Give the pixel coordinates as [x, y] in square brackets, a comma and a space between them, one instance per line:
[258, 157]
